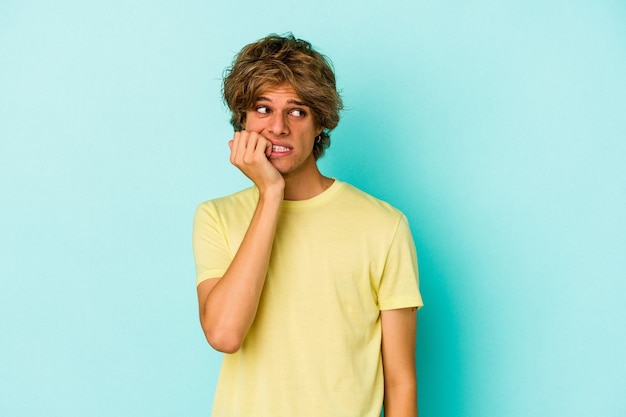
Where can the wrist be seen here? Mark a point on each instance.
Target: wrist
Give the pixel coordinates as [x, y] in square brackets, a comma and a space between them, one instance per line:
[273, 192]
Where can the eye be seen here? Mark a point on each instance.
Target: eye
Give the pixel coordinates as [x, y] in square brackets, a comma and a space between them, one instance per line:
[298, 113]
[262, 110]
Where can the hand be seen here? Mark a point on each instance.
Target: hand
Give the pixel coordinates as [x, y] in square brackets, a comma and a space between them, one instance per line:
[249, 151]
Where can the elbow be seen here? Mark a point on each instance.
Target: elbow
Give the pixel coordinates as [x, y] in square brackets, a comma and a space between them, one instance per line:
[224, 345]
[223, 335]
[223, 341]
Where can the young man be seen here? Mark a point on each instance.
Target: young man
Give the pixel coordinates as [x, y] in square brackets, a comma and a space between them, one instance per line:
[307, 284]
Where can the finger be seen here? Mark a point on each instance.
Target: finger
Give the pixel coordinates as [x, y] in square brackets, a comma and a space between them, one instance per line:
[237, 148]
[250, 147]
[256, 147]
[263, 146]
[232, 144]
[268, 149]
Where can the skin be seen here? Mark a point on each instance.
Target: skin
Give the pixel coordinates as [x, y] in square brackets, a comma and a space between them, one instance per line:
[275, 150]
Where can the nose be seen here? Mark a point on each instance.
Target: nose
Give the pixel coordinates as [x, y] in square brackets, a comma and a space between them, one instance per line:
[278, 124]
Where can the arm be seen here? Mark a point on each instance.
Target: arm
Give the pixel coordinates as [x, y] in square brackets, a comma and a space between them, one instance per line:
[399, 329]
[229, 304]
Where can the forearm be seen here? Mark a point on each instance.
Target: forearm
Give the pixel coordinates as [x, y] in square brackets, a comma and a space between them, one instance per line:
[401, 400]
[228, 310]
[398, 350]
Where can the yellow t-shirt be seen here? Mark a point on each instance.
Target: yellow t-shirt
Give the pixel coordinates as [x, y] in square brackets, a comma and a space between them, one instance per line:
[314, 347]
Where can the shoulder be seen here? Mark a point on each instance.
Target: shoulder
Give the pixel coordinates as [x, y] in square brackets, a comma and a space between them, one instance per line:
[361, 200]
[370, 210]
[239, 199]
[227, 208]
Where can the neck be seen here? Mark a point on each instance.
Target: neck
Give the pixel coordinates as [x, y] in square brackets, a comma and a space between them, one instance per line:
[303, 187]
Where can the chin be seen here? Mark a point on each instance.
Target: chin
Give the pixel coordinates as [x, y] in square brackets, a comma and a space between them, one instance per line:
[281, 167]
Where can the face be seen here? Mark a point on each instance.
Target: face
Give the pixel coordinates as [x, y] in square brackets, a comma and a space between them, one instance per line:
[280, 116]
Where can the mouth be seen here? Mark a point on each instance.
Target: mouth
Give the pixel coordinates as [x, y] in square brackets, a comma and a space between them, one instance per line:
[279, 149]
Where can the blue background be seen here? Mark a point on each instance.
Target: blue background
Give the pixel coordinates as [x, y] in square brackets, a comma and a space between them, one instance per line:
[497, 127]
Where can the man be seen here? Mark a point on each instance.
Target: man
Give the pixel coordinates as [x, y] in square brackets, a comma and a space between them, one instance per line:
[308, 285]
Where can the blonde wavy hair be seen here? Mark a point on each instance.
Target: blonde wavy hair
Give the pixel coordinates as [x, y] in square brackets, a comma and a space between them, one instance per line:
[273, 61]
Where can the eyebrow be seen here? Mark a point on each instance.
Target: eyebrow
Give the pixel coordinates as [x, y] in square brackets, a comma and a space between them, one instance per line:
[291, 101]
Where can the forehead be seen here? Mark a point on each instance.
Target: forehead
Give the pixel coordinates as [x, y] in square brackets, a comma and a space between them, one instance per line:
[280, 93]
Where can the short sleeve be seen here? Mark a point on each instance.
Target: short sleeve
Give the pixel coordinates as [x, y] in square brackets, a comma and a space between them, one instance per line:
[210, 245]
[399, 286]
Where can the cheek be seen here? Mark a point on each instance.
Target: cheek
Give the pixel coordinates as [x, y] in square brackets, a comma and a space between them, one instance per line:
[252, 124]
